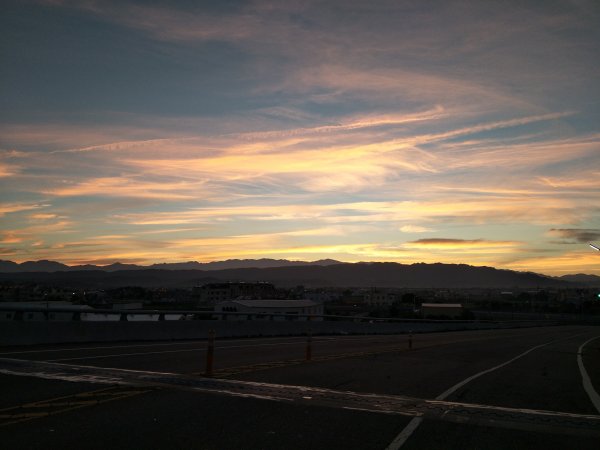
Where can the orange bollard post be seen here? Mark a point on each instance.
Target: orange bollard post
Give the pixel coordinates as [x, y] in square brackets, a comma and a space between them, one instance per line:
[309, 345]
[210, 353]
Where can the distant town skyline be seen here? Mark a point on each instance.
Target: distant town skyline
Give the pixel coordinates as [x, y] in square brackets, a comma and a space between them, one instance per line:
[404, 131]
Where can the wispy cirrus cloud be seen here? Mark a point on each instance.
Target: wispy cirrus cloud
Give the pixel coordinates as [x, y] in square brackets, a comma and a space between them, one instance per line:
[128, 187]
[8, 251]
[7, 170]
[461, 243]
[237, 178]
[320, 159]
[459, 210]
[415, 229]
[582, 180]
[172, 24]
[29, 239]
[6, 208]
[523, 155]
[43, 216]
[294, 129]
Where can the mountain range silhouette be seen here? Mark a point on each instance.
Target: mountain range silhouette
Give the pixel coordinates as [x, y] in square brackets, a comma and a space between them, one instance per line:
[284, 273]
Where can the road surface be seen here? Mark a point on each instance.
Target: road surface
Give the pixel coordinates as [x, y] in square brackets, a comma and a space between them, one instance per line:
[497, 389]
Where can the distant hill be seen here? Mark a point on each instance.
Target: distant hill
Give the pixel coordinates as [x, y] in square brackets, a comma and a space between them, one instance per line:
[583, 279]
[53, 266]
[309, 274]
[41, 266]
[8, 266]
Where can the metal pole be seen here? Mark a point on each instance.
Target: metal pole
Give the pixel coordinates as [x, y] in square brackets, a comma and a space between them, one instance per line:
[309, 345]
[210, 353]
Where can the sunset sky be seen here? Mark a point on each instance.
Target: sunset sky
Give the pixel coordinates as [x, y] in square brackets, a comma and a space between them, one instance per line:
[407, 131]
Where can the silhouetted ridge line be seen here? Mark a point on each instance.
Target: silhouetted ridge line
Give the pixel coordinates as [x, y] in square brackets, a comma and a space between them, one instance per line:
[53, 266]
[377, 274]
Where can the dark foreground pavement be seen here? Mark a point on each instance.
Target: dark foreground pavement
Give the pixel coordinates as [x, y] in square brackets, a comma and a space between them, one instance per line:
[493, 388]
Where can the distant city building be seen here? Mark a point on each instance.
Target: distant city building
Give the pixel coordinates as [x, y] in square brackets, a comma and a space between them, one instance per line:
[20, 311]
[451, 310]
[254, 309]
[213, 293]
[127, 305]
[380, 298]
[35, 311]
[322, 296]
[372, 297]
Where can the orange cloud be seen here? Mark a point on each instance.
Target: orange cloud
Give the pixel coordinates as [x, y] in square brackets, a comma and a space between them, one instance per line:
[123, 187]
[415, 229]
[7, 170]
[461, 244]
[11, 237]
[6, 208]
[43, 216]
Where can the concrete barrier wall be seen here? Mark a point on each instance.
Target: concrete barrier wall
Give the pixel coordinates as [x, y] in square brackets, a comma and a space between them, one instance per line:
[28, 333]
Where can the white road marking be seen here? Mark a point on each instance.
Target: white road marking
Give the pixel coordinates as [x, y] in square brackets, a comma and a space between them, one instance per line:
[457, 386]
[194, 342]
[393, 337]
[201, 349]
[298, 341]
[399, 441]
[114, 355]
[107, 347]
[524, 419]
[405, 433]
[587, 383]
[74, 349]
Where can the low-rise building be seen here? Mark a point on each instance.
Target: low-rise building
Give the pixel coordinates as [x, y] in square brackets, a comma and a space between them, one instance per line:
[34, 311]
[270, 310]
[213, 293]
[450, 310]
[380, 298]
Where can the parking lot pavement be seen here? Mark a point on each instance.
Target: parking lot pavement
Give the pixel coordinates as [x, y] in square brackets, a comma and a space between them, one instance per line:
[513, 369]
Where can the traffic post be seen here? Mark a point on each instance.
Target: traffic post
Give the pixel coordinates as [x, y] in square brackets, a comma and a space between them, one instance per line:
[308, 355]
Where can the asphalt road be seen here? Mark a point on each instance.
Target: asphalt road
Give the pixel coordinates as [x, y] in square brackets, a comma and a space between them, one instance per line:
[445, 376]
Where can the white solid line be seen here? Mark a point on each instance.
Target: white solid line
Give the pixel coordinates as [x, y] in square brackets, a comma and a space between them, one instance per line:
[197, 341]
[587, 383]
[399, 441]
[298, 341]
[405, 433]
[201, 349]
[106, 347]
[194, 342]
[457, 386]
[74, 349]
[114, 355]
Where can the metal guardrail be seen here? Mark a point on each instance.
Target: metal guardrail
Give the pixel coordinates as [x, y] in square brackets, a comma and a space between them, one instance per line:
[77, 313]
